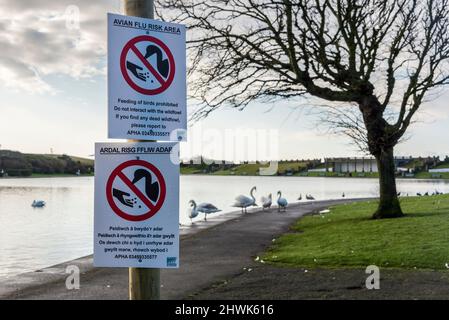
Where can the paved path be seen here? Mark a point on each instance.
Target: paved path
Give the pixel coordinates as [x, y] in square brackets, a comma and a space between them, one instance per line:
[209, 257]
[266, 282]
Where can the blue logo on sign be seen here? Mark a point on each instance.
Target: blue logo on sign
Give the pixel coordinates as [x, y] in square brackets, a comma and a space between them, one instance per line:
[171, 261]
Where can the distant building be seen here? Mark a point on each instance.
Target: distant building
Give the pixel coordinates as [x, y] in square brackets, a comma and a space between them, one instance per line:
[350, 165]
[441, 170]
[362, 165]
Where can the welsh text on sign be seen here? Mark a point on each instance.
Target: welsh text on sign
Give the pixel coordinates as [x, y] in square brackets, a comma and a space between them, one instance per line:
[136, 220]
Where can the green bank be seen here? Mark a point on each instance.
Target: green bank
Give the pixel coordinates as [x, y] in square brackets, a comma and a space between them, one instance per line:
[417, 168]
[347, 237]
[17, 164]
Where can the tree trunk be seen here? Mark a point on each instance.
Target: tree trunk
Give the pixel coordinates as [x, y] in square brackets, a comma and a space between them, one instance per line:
[389, 206]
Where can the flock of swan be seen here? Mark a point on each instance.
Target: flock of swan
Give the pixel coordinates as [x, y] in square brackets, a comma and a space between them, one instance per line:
[243, 202]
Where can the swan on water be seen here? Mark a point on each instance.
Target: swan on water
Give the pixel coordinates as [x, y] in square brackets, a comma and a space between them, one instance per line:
[204, 207]
[266, 202]
[309, 197]
[243, 201]
[300, 197]
[282, 202]
[38, 203]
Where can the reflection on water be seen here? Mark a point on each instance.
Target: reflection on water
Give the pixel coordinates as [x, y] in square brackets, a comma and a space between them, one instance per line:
[33, 238]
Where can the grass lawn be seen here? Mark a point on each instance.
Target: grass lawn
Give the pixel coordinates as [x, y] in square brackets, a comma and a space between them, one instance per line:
[252, 169]
[248, 169]
[189, 170]
[341, 175]
[444, 165]
[428, 175]
[347, 237]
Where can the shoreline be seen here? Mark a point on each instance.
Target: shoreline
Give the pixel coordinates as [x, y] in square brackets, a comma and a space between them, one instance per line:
[34, 284]
[229, 175]
[49, 176]
[314, 176]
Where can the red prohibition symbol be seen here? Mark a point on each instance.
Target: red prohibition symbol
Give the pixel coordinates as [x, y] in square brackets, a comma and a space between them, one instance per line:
[156, 47]
[117, 173]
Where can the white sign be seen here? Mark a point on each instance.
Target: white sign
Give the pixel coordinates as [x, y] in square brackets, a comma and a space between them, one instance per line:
[136, 219]
[147, 92]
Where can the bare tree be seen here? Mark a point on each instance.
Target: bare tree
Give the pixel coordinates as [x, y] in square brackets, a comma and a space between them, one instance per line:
[378, 56]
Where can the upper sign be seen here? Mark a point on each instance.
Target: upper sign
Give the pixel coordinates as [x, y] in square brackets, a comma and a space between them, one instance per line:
[146, 79]
[136, 215]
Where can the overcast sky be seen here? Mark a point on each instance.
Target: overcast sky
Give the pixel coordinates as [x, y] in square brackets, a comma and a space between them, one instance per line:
[53, 95]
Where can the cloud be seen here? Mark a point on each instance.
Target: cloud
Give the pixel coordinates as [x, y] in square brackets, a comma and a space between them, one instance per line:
[44, 38]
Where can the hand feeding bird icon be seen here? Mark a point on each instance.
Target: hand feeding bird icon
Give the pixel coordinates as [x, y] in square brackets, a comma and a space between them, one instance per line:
[162, 65]
[151, 189]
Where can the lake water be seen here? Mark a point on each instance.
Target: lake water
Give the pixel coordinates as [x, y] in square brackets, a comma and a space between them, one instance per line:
[33, 238]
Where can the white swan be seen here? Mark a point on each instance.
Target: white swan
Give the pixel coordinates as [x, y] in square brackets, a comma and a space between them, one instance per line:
[38, 203]
[243, 201]
[204, 207]
[193, 212]
[266, 202]
[282, 202]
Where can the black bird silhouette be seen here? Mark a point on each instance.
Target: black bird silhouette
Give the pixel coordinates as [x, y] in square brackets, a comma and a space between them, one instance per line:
[151, 189]
[162, 64]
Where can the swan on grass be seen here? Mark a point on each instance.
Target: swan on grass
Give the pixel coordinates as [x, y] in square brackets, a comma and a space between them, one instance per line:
[204, 207]
[282, 202]
[266, 202]
[244, 202]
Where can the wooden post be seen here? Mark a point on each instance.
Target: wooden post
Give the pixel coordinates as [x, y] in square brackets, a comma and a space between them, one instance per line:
[140, 8]
[144, 283]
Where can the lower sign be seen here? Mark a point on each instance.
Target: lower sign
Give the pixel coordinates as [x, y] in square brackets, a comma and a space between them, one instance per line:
[136, 205]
